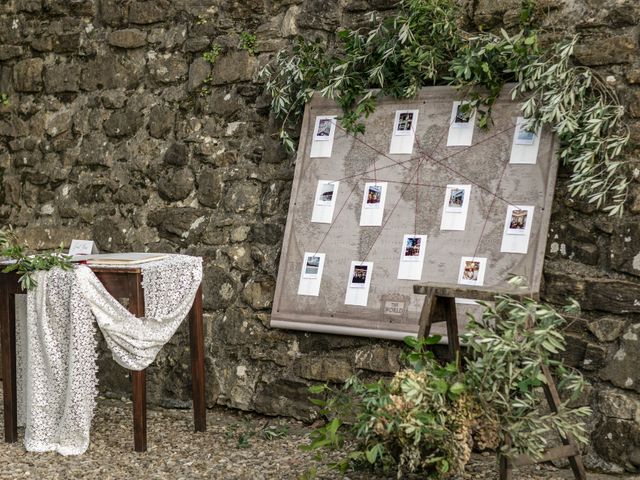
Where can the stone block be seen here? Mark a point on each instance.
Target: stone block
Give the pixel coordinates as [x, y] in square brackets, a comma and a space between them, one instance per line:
[199, 71]
[283, 396]
[607, 329]
[10, 51]
[616, 439]
[147, 12]
[167, 68]
[378, 358]
[175, 184]
[612, 295]
[234, 67]
[616, 404]
[113, 12]
[110, 71]
[210, 186]
[177, 154]
[606, 50]
[161, 122]
[127, 38]
[219, 289]
[66, 42]
[123, 123]
[95, 150]
[243, 196]
[622, 370]
[324, 369]
[178, 223]
[259, 293]
[633, 103]
[27, 75]
[62, 78]
[595, 356]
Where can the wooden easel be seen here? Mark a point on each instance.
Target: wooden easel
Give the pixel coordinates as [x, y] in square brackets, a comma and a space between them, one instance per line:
[439, 306]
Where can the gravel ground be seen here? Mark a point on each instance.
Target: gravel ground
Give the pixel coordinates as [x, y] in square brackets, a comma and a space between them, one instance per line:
[237, 445]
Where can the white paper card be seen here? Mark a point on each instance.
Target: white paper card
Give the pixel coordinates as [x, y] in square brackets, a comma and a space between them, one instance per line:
[517, 229]
[82, 247]
[524, 149]
[472, 271]
[373, 204]
[325, 201]
[412, 257]
[323, 133]
[460, 126]
[311, 274]
[455, 207]
[404, 131]
[358, 283]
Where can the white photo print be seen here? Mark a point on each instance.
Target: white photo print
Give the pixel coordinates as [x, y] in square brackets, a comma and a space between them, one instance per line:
[472, 271]
[405, 122]
[324, 128]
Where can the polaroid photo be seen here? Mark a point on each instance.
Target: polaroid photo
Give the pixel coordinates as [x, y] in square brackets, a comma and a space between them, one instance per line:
[405, 123]
[455, 199]
[472, 271]
[373, 196]
[518, 221]
[412, 250]
[326, 192]
[311, 266]
[523, 136]
[359, 276]
[462, 116]
[324, 128]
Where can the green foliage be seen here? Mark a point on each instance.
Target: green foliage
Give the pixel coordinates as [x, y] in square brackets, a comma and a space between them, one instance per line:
[419, 422]
[422, 44]
[248, 42]
[26, 265]
[4, 99]
[508, 348]
[213, 53]
[424, 419]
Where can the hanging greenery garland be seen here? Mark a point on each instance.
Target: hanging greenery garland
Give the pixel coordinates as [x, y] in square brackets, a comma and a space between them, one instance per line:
[424, 44]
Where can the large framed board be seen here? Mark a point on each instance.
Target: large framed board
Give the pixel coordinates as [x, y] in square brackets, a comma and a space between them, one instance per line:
[424, 195]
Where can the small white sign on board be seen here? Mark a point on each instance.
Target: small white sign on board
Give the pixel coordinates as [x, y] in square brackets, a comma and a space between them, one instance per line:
[82, 247]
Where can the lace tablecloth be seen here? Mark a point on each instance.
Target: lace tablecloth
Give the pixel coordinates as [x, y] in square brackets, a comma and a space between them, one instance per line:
[56, 347]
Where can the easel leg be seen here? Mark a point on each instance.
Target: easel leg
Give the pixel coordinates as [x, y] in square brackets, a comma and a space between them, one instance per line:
[196, 335]
[553, 399]
[426, 314]
[506, 467]
[451, 319]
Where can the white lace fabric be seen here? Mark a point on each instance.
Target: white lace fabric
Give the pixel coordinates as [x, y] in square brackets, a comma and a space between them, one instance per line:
[56, 348]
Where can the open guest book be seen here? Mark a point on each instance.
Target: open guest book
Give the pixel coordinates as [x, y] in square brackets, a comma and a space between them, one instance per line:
[118, 258]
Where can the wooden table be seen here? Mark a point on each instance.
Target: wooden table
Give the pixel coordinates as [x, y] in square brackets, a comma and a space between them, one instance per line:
[121, 282]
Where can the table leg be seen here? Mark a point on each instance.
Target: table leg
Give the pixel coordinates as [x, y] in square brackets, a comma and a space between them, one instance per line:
[139, 410]
[8, 334]
[138, 378]
[196, 334]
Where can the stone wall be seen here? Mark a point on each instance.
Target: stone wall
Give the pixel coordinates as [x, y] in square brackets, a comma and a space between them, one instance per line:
[118, 130]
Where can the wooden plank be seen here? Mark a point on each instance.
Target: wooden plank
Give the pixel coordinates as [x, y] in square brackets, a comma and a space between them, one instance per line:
[555, 453]
[196, 337]
[504, 464]
[486, 294]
